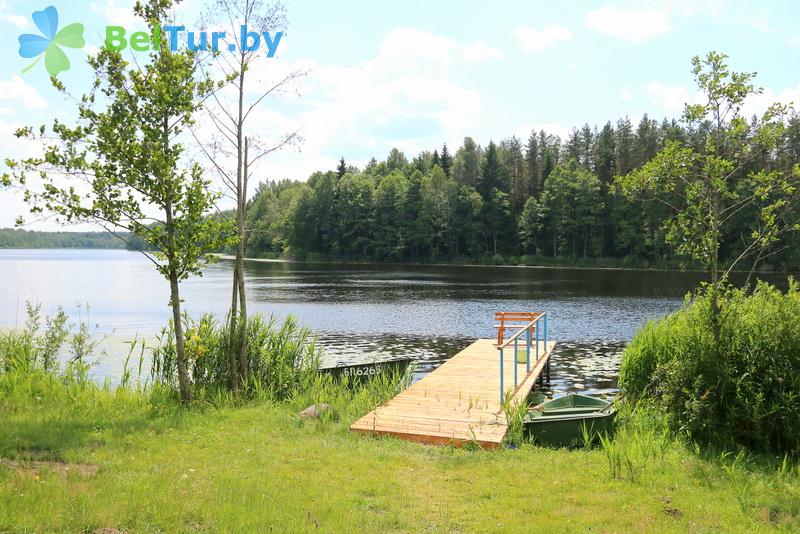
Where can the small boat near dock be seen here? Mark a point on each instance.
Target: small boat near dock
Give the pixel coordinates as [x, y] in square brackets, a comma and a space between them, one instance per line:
[359, 372]
[562, 422]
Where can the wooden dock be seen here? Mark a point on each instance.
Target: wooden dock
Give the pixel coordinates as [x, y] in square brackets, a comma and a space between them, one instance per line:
[459, 402]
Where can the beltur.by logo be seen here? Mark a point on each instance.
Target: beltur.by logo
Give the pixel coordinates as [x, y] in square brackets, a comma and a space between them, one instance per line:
[50, 42]
[117, 39]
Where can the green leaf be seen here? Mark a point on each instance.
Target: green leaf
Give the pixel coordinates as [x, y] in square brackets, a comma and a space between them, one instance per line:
[71, 36]
[55, 60]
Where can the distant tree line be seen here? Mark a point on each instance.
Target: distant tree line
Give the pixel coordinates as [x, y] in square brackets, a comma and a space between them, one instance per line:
[18, 238]
[542, 198]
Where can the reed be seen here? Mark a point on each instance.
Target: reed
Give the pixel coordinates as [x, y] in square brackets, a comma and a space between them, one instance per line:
[282, 356]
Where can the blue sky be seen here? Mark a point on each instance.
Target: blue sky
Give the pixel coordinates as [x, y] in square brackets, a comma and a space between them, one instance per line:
[415, 74]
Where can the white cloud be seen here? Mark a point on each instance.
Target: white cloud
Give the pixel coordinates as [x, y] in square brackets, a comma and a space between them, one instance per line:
[625, 94]
[119, 13]
[405, 95]
[479, 52]
[16, 90]
[409, 45]
[758, 104]
[534, 40]
[17, 20]
[671, 98]
[629, 24]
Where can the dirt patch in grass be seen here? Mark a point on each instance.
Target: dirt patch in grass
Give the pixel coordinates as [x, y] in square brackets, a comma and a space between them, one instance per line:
[35, 467]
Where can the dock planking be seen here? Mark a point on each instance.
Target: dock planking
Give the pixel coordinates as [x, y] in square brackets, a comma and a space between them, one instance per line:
[459, 402]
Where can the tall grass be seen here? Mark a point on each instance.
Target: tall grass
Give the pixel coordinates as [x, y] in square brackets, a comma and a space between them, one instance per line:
[282, 357]
[45, 341]
[740, 389]
[49, 358]
[515, 412]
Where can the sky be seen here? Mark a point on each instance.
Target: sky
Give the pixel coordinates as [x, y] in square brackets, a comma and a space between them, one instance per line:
[416, 74]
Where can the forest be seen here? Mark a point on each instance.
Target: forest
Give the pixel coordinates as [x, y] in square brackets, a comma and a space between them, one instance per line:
[19, 238]
[542, 200]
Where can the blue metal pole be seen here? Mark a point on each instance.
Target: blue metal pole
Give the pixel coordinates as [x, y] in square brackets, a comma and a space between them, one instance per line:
[545, 332]
[515, 361]
[501, 376]
[528, 350]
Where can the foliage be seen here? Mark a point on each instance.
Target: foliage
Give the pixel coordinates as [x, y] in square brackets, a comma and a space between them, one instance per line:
[282, 357]
[595, 194]
[122, 165]
[18, 238]
[743, 389]
[715, 193]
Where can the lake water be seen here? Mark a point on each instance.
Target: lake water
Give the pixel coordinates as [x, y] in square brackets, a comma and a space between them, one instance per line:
[358, 312]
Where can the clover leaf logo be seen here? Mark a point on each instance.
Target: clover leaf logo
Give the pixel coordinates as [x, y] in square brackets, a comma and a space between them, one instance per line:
[51, 41]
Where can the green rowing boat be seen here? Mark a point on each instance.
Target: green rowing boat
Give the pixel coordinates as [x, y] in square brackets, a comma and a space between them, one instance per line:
[562, 422]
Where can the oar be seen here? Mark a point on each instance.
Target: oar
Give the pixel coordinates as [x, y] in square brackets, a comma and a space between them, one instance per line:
[610, 403]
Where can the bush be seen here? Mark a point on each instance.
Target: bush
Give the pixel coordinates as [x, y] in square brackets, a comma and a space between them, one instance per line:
[282, 358]
[743, 389]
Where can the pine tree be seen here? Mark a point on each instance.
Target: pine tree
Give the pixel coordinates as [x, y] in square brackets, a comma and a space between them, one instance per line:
[446, 160]
[466, 166]
[341, 169]
[496, 210]
[514, 164]
[532, 163]
[624, 146]
[605, 166]
[436, 160]
[491, 172]
[587, 138]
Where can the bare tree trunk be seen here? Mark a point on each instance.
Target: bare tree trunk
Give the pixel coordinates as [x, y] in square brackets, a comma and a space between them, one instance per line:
[238, 308]
[714, 268]
[243, 361]
[233, 328]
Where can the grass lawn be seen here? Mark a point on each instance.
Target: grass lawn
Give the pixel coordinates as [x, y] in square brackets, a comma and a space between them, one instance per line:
[151, 467]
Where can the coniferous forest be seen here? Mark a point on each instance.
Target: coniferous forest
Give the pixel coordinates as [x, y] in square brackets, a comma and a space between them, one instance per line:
[540, 200]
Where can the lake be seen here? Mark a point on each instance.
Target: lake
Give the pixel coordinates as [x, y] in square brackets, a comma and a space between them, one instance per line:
[357, 312]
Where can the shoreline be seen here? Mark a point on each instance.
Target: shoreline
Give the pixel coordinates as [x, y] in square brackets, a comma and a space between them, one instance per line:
[230, 257]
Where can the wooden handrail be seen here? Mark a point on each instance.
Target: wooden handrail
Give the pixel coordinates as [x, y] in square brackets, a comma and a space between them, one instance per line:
[522, 329]
[513, 317]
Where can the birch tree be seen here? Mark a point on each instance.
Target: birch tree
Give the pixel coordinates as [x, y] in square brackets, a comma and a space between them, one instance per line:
[122, 165]
[232, 151]
[706, 183]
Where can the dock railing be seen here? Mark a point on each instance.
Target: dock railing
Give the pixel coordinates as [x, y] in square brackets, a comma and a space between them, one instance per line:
[525, 324]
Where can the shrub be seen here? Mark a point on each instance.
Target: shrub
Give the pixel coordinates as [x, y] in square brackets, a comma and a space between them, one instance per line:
[742, 389]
